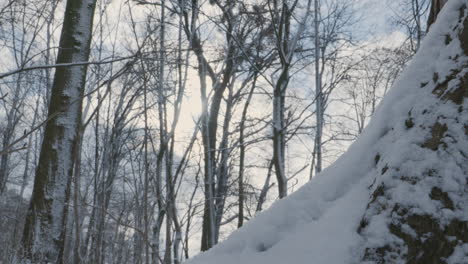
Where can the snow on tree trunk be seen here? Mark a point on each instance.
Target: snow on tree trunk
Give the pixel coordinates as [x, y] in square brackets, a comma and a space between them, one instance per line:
[279, 131]
[44, 232]
[417, 212]
[436, 6]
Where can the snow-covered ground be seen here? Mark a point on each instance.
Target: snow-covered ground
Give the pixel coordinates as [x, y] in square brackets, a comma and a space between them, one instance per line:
[318, 224]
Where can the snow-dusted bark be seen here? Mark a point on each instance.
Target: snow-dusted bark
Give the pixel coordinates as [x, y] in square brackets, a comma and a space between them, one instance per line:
[417, 212]
[43, 236]
[286, 43]
[279, 131]
[436, 6]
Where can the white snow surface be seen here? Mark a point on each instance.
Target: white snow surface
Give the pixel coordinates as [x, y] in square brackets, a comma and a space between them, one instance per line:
[318, 223]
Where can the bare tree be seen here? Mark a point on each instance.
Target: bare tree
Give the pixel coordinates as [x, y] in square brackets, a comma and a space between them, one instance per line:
[286, 43]
[409, 15]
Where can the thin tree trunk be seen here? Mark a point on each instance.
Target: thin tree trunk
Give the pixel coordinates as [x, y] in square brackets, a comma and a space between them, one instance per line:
[284, 45]
[76, 199]
[265, 188]
[208, 229]
[210, 112]
[156, 232]
[279, 142]
[12, 121]
[318, 93]
[223, 171]
[240, 221]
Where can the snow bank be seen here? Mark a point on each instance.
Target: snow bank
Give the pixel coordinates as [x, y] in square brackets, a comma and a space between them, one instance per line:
[319, 223]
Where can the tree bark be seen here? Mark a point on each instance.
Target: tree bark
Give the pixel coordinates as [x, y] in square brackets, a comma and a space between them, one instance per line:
[240, 221]
[210, 114]
[318, 93]
[43, 236]
[412, 233]
[436, 6]
[12, 121]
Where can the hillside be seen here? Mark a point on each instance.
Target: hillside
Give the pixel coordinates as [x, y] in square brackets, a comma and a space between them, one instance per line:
[399, 194]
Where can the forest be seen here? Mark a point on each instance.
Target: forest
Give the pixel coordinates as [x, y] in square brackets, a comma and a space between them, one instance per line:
[148, 131]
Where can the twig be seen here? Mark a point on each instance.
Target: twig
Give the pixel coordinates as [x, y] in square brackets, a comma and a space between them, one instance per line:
[6, 74]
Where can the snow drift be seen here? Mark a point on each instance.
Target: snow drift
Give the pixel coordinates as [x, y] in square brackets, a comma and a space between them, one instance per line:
[398, 195]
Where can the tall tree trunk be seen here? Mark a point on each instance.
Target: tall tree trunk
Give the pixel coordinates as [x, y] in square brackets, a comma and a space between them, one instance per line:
[223, 168]
[211, 109]
[240, 217]
[182, 79]
[318, 93]
[283, 18]
[286, 44]
[279, 129]
[12, 121]
[43, 236]
[209, 130]
[208, 151]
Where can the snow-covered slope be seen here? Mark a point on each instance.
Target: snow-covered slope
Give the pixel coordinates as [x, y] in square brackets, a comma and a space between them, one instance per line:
[410, 160]
[418, 211]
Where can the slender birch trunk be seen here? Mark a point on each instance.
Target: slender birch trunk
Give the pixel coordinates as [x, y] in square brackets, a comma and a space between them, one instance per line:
[318, 93]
